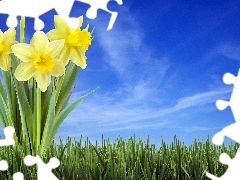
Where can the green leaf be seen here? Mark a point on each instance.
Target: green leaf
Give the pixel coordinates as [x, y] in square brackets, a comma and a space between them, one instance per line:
[3, 118]
[68, 97]
[65, 86]
[25, 110]
[7, 104]
[26, 132]
[64, 113]
[46, 100]
[45, 142]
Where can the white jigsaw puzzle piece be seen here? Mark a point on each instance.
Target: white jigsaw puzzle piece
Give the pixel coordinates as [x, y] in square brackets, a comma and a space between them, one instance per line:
[8, 141]
[234, 101]
[36, 8]
[231, 131]
[44, 171]
[232, 172]
[28, 8]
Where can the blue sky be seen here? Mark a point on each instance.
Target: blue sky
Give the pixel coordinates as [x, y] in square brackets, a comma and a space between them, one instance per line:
[159, 70]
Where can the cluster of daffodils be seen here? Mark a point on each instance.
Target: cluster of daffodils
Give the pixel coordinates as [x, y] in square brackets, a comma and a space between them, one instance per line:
[40, 66]
[42, 58]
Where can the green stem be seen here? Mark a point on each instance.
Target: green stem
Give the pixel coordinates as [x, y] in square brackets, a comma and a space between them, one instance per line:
[22, 28]
[22, 40]
[38, 117]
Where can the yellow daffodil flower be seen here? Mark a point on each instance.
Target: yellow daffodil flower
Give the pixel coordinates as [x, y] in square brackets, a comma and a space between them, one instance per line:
[40, 60]
[7, 39]
[76, 41]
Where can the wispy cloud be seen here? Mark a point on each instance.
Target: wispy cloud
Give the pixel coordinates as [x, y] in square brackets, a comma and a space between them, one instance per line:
[229, 50]
[126, 53]
[100, 114]
[200, 128]
[134, 105]
[199, 99]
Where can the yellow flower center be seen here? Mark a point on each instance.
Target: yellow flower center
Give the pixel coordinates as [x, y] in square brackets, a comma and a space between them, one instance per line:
[44, 62]
[80, 38]
[1, 47]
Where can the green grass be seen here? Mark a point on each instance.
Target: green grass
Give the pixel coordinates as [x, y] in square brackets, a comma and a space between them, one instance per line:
[127, 160]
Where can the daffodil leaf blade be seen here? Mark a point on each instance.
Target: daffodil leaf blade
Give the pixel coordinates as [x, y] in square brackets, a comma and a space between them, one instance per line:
[7, 103]
[45, 142]
[2, 119]
[46, 101]
[66, 86]
[68, 97]
[6, 110]
[3, 111]
[2, 91]
[64, 113]
[13, 99]
[25, 110]
[25, 129]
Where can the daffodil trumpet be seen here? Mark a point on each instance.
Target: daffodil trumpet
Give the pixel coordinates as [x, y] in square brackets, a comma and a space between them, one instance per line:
[37, 80]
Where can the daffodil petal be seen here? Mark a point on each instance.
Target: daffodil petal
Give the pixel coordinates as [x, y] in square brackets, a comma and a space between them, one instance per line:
[5, 62]
[55, 35]
[61, 26]
[43, 80]
[58, 69]
[7, 48]
[78, 57]
[9, 36]
[54, 48]
[25, 71]
[64, 55]
[24, 52]
[39, 41]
